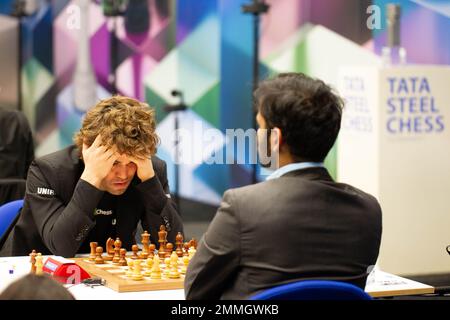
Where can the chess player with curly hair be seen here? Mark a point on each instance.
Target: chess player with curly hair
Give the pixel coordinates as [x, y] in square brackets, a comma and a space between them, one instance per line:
[299, 223]
[100, 187]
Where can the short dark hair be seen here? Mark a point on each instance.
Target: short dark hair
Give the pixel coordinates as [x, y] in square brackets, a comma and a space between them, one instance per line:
[306, 110]
[36, 287]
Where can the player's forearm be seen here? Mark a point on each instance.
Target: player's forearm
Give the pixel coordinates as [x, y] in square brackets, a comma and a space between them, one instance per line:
[153, 195]
[91, 178]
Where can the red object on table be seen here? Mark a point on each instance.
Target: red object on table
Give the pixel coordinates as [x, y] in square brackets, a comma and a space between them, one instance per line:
[64, 270]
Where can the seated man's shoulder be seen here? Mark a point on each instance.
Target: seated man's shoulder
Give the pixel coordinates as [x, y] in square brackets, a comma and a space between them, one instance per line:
[66, 157]
[248, 192]
[157, 162]
[360, 194]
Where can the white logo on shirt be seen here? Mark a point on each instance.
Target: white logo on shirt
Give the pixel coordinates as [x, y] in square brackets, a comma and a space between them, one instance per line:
[45, 191]
[102, 212]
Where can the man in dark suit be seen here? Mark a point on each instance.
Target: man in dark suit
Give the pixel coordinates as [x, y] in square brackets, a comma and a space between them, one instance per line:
[299, 224]
[102, 187]
[16, 154]
[16, 144]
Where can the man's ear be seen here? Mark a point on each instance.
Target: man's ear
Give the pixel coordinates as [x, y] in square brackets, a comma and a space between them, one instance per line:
[276, 139]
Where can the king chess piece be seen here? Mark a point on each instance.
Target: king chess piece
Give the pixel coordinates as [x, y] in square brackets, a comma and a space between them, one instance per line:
[179, 244]
[33, 261]
[162, 240]
[117, 245]
[92, 255]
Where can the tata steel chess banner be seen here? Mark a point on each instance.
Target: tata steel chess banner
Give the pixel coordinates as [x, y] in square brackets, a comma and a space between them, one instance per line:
[395, 144]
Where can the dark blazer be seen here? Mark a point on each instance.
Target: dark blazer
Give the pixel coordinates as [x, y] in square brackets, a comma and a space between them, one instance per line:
[58, 212]
[16, 144]
[302, 225]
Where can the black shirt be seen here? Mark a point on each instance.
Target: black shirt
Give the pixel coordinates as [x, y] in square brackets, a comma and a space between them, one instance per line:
[105, 215]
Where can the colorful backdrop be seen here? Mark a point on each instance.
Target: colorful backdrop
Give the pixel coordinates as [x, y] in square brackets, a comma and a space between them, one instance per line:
[204, 48]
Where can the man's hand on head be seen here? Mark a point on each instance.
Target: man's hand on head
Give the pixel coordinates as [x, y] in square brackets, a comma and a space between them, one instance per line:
[144, 168]
[98, 161]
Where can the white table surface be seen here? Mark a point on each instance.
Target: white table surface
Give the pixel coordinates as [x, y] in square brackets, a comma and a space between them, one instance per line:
[379, 283]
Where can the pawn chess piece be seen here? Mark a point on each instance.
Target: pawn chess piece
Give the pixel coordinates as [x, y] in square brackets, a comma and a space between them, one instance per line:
[179, 244]
[149, 266]
[33, 261]
[135, 250]
[169, 249]
[166, 267]
[174, 273]
[39, 264]
[186, 249]
[185, 264]
[151, 250]
[122, 261]
[129, 272]
[99, 258]
[156, 269]
[117, 245]
[137, 271]
[109, 250]
[92, 255]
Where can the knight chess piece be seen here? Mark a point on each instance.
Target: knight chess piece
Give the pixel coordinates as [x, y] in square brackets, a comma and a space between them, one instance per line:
[174, 273]
[156, 269]
[109, 250]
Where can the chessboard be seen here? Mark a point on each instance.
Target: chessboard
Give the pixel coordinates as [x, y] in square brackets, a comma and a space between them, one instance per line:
[146, 270]
[117, 279]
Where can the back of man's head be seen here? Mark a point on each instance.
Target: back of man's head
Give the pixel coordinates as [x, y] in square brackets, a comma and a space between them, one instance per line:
[306, 111]
[123, 122]
[34, 287]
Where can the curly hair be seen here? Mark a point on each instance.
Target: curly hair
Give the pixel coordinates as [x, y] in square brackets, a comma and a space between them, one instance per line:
[306, 110]
[123, 122]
